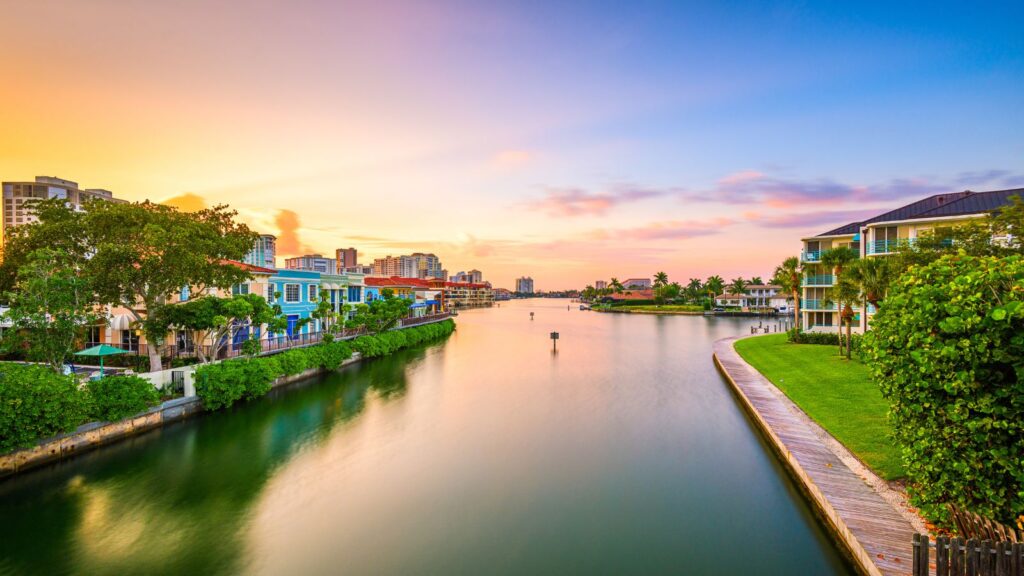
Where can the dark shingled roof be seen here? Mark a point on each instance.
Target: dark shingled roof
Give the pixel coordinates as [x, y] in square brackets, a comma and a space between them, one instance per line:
[937, 206]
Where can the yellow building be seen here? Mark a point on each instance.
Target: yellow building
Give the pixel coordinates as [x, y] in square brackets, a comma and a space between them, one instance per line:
[880, 236]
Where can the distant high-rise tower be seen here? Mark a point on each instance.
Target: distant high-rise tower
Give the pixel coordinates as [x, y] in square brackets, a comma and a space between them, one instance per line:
[264, 252]
[346, 258]
[19, 196]
[524, 285]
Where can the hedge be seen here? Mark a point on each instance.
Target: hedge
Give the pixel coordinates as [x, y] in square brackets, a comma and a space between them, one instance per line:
[221, 385]
[824, 338]
[947, 350]
[117, 397]
[36, 402]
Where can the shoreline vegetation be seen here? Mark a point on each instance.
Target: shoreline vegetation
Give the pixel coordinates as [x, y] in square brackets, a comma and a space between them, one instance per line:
[218, 385]
[681, 309]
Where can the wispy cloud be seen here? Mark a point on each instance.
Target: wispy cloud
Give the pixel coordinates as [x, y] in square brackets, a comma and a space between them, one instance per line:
[581, 202]
[749, 187]
[664, 230]
[818, 218]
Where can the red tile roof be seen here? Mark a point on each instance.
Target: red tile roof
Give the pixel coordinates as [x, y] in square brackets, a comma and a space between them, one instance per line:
[397, 282]
[249, 267]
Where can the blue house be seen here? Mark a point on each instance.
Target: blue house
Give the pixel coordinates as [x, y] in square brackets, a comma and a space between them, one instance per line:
[299, 292]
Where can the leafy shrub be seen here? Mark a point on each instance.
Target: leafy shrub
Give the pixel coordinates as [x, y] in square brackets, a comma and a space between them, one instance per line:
[36, 402]
[947, 350]
[221, 385]
[823, 338]
[117, 397]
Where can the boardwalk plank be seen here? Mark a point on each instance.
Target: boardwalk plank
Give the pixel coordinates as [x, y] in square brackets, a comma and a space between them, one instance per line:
[875, 533]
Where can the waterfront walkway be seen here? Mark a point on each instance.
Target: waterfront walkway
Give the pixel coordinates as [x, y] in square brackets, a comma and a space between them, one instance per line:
[875, 532]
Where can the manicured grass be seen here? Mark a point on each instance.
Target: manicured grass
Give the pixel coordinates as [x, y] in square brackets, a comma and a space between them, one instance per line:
[838, 394]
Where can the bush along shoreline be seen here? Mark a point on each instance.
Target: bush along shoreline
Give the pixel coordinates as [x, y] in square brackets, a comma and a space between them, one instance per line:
[37, 403]
[223, 384]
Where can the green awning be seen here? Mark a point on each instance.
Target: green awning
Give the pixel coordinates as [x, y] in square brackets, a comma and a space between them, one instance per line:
[101, 350]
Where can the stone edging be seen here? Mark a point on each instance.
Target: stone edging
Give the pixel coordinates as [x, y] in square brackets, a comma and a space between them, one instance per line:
[875, 531]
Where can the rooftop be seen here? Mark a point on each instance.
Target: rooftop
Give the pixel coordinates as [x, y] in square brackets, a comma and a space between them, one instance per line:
[937, 206]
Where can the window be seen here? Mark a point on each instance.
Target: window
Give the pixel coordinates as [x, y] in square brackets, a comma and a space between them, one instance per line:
[270, 292]
[312, 293]
[93, 336]
[291, 293]
[240, 289]
[129, 340]
[353, 293]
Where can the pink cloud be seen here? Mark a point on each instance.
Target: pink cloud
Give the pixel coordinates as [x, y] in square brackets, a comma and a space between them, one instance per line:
[580, 202]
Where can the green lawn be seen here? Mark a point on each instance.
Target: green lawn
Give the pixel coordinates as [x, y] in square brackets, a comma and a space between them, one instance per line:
[838, 394]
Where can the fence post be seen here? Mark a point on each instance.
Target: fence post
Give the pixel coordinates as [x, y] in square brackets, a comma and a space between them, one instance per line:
[916, 555]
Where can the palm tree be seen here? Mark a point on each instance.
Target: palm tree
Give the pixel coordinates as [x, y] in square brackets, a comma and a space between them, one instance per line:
[738, 286]
[615, 285]
[873, 276]
[660, 279]
[846, 290]
[788, 276]
[836, 259]
[693, 288]
[756, 280]
[714, 285]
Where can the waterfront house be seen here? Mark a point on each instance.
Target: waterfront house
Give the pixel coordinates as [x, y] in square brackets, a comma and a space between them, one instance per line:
[297, 292]
[881, 236]
[343, 290]
[757, 296]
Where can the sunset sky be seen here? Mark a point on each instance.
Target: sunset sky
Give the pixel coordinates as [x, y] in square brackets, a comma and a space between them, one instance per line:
[568, 141]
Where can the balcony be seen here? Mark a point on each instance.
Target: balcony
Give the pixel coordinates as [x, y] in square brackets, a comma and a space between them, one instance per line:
[819, 280]
[810, 256]
[817, 305]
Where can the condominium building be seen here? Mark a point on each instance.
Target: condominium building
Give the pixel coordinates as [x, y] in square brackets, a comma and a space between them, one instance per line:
[880, 236]
[524, 285]
[312, 262]
[416, 265]
[264, 252]
[19, 196]
[468, 294]
[428, 265]
[364, 269]
[346, 258]
[601, 284]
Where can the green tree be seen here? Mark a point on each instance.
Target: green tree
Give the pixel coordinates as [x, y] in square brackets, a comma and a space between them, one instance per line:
[615, 285]
[738, 286]
[139, 254]
[946, 350]
[50, 308]
[660, 279]
[219, 320]
[714, 285]
[788, 275]
[382, 314]
[873, 277]
[756, 280]
[325, 313]
[846, 290]
[837, 259]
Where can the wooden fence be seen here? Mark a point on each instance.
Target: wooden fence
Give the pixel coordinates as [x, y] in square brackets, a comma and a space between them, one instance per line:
[959, 557]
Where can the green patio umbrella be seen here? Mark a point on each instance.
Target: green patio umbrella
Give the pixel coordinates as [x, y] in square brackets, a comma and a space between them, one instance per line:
[101, 351]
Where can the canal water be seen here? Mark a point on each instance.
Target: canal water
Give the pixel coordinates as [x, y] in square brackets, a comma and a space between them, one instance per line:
[624, 453]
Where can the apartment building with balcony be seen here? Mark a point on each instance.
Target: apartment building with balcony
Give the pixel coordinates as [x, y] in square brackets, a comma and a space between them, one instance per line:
[881, 236]
[19, 196]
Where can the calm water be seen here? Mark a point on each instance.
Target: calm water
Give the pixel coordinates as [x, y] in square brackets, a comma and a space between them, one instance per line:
[485, 454]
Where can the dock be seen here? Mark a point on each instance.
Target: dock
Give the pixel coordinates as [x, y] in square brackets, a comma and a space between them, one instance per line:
[877, 536]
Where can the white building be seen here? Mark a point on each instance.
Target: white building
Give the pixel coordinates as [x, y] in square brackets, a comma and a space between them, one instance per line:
[524, 285]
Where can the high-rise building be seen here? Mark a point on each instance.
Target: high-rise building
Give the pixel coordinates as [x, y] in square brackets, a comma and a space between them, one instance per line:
[427, 265]
[346, 258]
[475, 276]
[19, 196]
[264, 252]
[524, 285]
[417, 265]
[313, 263]
[601, 284]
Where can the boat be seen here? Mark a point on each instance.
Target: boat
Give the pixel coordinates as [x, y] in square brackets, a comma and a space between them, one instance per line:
[584, 307]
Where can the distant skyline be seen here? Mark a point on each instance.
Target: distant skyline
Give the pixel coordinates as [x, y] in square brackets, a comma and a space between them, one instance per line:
[565, 141]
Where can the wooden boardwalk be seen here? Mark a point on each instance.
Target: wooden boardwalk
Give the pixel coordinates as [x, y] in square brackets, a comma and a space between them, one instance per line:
[876, 534]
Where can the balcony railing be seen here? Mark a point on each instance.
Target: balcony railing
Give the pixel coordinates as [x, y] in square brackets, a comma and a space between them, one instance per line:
[810, 255]
[819, 280]
[817, 305]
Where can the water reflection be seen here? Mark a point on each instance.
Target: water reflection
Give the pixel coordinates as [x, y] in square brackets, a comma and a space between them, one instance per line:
[489, 453]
